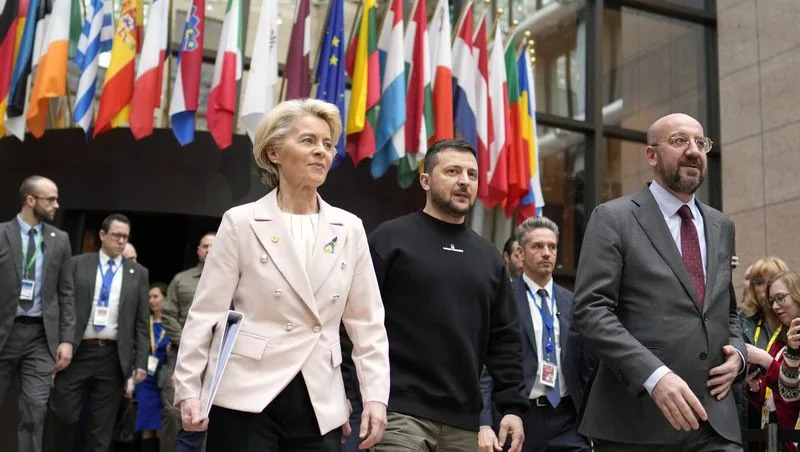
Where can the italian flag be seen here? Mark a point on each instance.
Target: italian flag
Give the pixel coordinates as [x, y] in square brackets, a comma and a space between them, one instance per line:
[227, 71]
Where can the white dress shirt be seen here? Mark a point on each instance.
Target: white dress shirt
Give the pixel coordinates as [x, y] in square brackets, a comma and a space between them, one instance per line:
[111, 328]
[535, 302]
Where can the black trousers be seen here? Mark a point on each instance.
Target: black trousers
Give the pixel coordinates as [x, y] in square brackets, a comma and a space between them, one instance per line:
[702, 440]
[552, 429]
[287, 424]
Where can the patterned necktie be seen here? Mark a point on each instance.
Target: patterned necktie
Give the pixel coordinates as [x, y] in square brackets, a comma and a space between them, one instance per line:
[29, 267]
[549, 347]
[690, 252]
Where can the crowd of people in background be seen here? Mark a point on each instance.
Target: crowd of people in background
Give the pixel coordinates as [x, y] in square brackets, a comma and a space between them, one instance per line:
[419, 336]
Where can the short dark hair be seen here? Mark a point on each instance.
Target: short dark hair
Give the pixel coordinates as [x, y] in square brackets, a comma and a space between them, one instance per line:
[508, 248]
[29, 187]
[160, 286]
[431, 155]
[114, 217]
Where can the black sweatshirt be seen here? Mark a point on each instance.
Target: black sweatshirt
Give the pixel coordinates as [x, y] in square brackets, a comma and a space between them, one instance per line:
[449, 310]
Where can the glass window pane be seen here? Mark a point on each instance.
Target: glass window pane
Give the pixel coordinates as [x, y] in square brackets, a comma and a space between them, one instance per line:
[653, 66]
[561, 160]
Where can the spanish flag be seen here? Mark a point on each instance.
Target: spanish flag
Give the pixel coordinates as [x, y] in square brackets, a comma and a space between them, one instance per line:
[366, 90]
[51, 75]
[114, 109]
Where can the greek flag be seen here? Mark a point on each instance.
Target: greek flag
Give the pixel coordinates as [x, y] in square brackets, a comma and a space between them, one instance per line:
[96, 37]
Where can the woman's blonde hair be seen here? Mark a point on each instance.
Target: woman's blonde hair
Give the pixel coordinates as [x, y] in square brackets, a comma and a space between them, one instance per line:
[277, 125]
[765, 268]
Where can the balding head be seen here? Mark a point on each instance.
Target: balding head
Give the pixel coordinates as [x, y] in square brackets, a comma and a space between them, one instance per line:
[672, 123]
[129, 252]
[39, 199]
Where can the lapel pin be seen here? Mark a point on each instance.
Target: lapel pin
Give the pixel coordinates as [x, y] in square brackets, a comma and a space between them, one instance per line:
[274, 239]
[330, 247]
[52, 234]
[452, 248]
[131, 271]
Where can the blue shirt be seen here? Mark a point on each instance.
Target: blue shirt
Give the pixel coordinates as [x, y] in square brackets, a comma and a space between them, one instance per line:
[36, 309]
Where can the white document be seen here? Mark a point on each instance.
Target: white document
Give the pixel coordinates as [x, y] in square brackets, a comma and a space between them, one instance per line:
[225, 332]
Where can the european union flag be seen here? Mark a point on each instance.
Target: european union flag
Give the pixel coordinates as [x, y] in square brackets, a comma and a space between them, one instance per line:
[330, 68]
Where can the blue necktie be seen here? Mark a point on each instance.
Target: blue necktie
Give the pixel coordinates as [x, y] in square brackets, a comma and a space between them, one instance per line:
[105, 290]
[549, 347]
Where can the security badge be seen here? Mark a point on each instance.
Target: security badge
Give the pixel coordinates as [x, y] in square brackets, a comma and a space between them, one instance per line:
[100, 317]
[26, 293]
[547, 374]
[152, 364]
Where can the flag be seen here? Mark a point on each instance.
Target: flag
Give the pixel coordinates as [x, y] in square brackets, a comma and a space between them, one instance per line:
[148, 85]
[366, 89]
[186, 91]
[483, 109]
[17, 107]
[518, 179]
[419, 104]
[95, 38]
[227, 71]
[51, 75]
[263, 75]
[75, 27]
[465, 75]
[390, 139]
[531, 205]
[114, 109]
[498, 149]
[8, 35]
[441, 61]
[330, 68]
[297, 83]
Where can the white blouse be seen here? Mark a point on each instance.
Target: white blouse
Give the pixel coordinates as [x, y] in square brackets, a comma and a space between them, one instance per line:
[303, 229]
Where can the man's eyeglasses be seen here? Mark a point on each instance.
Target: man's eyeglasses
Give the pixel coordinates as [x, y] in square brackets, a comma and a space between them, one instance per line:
[681, 141]
[780, 298]
[118, 237]
[49, 199]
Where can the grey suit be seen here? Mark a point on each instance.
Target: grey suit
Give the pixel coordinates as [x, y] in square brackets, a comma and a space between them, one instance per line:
[637, 310]
[29, 348]
[99, 368]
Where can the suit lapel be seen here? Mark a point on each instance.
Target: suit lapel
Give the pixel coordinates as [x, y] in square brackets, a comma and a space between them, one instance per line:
[650, 218]
[128, 275]
[713, 236]
[90, 270]
[563, 320]
[15, 243]
[328, 245]
[524, 308]
[48, 248]
[273, 235]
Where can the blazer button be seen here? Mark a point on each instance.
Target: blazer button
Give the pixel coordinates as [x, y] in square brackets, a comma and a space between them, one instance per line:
[263, 258]
[343, 265]
[278, 292]
[335, 297]
[317, 328]
[289, 326]
[703, 356]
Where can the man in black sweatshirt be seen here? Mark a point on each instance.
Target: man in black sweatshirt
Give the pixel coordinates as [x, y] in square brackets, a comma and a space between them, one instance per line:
[449, 311]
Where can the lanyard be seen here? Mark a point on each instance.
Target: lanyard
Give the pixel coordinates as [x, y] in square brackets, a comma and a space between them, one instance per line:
[32, 259]
[153, 342]
[547, 320]
[772, 339]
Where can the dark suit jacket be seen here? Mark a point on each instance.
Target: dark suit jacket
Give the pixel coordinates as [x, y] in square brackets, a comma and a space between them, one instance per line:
[637, 309]
[133, 340]
[578, 365]
[58, 310]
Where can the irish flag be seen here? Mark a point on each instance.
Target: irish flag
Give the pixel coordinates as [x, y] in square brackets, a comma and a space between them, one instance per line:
[227, 71]
[51, 77]
[147, 88]
[442, 62]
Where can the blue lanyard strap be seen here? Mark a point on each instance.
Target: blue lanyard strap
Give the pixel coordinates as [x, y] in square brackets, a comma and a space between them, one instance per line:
[547, 317]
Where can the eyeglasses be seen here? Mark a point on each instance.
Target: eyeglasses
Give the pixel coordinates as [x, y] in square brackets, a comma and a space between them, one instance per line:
[681, 141]
[757, 282]
[780, 298]
[118, 236]
[49, 199]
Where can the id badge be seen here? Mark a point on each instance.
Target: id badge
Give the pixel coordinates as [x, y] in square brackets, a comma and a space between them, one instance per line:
[152, 365]
[100, 316]
[547, 374]
[26, 293]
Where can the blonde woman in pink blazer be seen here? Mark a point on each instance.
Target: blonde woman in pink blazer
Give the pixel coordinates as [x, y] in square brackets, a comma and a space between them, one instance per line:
[296, 267]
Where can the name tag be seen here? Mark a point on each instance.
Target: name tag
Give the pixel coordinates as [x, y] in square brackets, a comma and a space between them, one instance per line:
[100, 316]
[26, 293]
[547, 374]
[152, 365]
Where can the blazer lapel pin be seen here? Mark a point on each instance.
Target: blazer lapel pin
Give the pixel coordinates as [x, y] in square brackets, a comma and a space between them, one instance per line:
[330, 247]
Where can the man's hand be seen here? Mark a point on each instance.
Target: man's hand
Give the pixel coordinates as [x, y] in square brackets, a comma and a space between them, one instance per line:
[63, 356]
[677, 403]
[511, 424]
[487, 440]
[190, 416]
[139, 375]
[373, 423]
[721, 377]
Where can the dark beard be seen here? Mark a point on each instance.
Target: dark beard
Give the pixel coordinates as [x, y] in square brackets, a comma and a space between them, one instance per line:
[678, 183]
[42, 214]
[447, 207]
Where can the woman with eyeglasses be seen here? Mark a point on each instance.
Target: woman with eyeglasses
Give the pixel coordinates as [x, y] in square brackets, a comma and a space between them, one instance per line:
[783, 294]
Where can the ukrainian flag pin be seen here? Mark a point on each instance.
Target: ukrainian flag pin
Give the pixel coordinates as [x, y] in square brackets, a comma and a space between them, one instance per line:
[330, 247]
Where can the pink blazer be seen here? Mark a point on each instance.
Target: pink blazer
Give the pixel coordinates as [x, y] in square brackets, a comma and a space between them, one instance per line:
[291, 322]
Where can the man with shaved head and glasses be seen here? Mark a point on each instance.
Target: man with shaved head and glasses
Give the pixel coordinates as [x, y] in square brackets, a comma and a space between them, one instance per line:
[37, 315]
[653, 302]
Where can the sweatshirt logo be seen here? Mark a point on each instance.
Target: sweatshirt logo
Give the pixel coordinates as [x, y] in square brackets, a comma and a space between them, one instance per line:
[452, 248]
